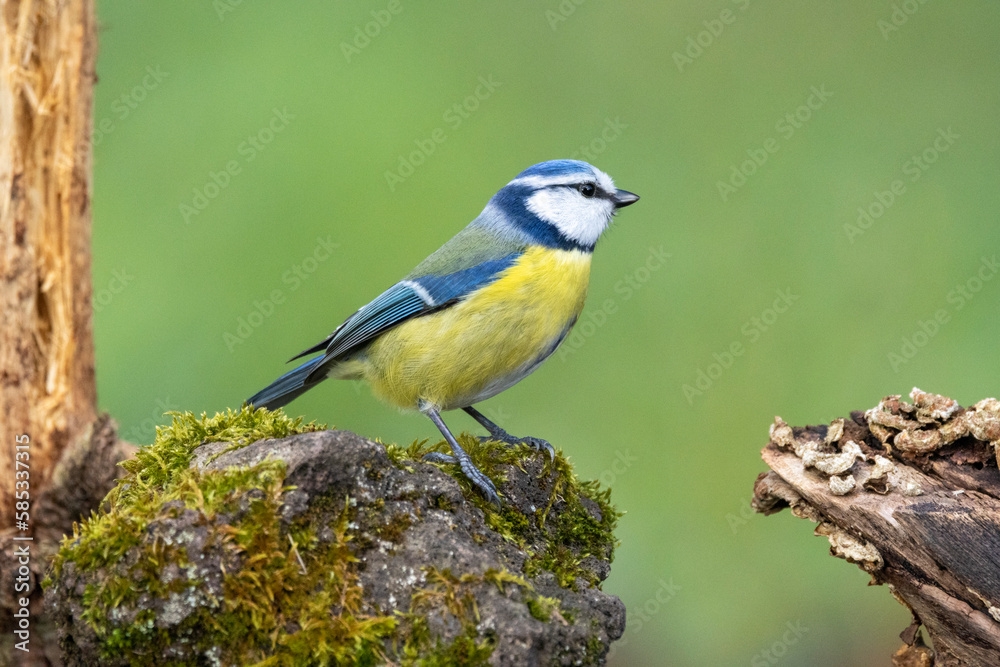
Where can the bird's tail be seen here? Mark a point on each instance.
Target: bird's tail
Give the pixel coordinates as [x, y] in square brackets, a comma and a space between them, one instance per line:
[288, 387]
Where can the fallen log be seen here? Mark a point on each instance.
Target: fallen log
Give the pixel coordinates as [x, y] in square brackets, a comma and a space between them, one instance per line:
[909, 492]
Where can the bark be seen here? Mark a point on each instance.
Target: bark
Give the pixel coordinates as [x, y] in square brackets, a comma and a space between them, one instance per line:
[910, 492]
[47, 387]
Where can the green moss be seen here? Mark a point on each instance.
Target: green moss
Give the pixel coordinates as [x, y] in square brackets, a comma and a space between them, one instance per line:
[595, 648]
[280, 583]
[276, 601]
[542, 608]
[421, 651]
[575, 533]
[401, 456]
[170, 454]
[450, 595]
[567, 537]
[159, 473]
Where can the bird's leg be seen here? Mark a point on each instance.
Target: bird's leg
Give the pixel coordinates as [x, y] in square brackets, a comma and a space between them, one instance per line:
[460, 457]
[500, 435]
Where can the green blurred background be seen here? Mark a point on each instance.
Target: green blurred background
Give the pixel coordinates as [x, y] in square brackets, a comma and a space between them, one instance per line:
[187, 88]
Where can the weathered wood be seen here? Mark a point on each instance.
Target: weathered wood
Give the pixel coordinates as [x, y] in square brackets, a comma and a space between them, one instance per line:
[915, 501]
[47, 388]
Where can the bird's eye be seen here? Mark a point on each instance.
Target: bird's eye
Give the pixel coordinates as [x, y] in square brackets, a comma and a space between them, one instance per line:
[587, 190]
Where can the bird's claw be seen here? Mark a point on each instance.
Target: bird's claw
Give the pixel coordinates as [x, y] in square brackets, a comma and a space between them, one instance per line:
[535, 443]
[472, 473]
[538, 445]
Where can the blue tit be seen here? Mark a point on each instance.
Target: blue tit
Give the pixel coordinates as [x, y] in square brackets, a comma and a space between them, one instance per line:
[480, 313]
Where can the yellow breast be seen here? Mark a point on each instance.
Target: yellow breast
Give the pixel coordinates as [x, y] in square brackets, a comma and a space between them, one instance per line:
[485, 343]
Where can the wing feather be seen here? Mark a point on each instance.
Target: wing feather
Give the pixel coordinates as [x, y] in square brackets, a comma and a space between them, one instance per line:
[409, 298]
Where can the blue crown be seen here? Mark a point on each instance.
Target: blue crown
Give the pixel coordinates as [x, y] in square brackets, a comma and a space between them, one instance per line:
[557, 168]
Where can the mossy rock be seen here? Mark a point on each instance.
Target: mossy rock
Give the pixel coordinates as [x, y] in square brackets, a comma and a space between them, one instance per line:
[249, 538]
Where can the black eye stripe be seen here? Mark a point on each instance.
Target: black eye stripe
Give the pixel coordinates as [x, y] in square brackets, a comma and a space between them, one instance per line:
[598, 192]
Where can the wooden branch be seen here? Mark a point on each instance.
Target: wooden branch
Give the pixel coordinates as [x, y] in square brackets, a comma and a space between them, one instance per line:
[47, 388]
[910, 492]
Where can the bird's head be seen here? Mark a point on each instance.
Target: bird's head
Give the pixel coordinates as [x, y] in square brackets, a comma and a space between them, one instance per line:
[562, 203]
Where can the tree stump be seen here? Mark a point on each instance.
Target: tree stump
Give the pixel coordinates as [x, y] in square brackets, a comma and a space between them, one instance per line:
[47, 391]
[910, 492]
[57, 455]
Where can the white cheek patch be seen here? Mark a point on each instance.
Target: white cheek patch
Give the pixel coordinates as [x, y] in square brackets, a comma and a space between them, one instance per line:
[579, 218]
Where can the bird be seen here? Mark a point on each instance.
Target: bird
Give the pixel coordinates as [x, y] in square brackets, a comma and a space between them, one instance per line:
[479, 314]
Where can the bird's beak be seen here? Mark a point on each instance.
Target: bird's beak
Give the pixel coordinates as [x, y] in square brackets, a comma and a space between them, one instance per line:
[623, 198]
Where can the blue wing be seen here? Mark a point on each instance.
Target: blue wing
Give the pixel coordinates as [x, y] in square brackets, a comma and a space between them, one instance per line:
[472, 259]
[408, 298]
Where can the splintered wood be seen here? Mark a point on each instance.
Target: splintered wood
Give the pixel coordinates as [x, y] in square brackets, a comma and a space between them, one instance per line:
[47, 389]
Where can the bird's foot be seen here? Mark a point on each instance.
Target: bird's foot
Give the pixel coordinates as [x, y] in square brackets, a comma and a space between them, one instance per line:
[469, 469]
[535, 443]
